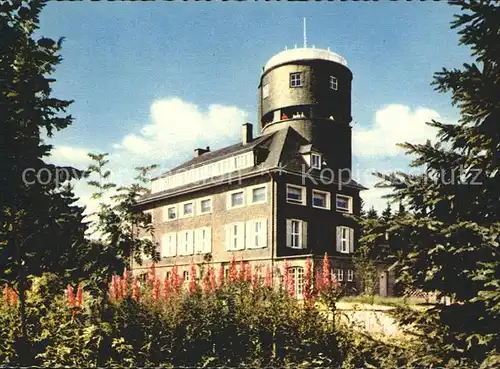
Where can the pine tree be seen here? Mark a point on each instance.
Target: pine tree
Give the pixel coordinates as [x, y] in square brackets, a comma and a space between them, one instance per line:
[387, 213]
[372, 213]
[40, 226]
[451, 228]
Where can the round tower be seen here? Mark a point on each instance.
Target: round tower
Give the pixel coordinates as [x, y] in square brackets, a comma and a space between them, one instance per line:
[309, 90]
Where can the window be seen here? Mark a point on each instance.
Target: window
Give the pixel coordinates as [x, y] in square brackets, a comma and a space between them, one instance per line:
[205, 206]
[296, 79]
[295, 233]
[265, 91]
[185, 243]
[187, 209]
[297, 275]
[345, 240]
[295, 194]
[235, 236]
[316, 161]
[203, 240]
[321, 199]
[256, 233]
[237, 199]
[334, 83]
[344, 203]
[149, 216]
[259, 194]
[340, 275]
[169, 213]
[168, 244]
[185, 275]
[350, 275]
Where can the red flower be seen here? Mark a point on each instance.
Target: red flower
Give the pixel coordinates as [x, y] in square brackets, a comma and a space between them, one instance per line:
[221, 275]
[79, 296]
[318, 281]
[213, 283]
[166, 288]
[268, 277]
[6, 293]
[255, 277]
[125, 283]
[135, 290]
[71, 296]
[248, 272]
[206, 281]
[192, 279]
[176, 281]
[156, 289]
[241, 274]
[308, 282]
[326, 272]
[233, 274]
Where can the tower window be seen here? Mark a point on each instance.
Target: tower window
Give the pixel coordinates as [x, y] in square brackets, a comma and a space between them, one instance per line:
[265, 91]
[316, 161]
[334, 83]
[296, 79]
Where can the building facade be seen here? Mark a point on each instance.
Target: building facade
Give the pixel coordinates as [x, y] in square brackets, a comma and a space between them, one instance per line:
[285, 194]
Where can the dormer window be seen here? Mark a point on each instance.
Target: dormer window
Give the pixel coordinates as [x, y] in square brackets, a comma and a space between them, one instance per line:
[296, 79]
[316, 161]
[334, 83]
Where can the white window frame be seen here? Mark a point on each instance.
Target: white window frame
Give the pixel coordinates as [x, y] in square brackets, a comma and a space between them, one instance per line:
[168, 245]
[265, 91]
[185, 247]
[185, 275]
[200, 209]
[350, 275]
[230, 198]
[231, 237]
[340, 275]
[250, 194]
[333, 82]
[345, 240]
[203, 245]
[327, 199]
[302, 189]
[349, 204]
[297, 275]
[296, 82]
[254, 239]
[182, 209]
[302, 234]
[320, 160]
[165, 212]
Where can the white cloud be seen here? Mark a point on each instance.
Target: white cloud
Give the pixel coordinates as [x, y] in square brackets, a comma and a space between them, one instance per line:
[178, 127]
[394, 124]
[68, 155]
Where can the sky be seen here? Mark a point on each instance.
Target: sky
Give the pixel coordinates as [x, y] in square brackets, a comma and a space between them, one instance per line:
[152, 81]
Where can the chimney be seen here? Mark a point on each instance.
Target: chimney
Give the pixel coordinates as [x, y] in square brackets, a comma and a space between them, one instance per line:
[199, 151]
[247, 133]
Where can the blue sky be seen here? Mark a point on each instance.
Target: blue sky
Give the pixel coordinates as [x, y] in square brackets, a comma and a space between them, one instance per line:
[150, 80]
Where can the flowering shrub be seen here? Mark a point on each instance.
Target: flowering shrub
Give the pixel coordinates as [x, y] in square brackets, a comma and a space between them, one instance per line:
[210, 321]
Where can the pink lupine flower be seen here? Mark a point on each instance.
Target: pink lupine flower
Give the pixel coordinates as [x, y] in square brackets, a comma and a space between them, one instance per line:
[255, 277]
[268, 276]
[192, 279]
[220, 277]
[241, 273]
[135, 290]
[308, 282]
[6, 293]
[13, 297]
[125, 283]
[318, 281]
[286, 275]
[166, 288]
[79, 296]
[176, 281]
[206, 281]
[326, 272]
[71, 296]
[155, 293]
[248, 272]
[233, 274]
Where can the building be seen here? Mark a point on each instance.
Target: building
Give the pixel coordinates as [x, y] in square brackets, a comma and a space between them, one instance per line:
[282, 194]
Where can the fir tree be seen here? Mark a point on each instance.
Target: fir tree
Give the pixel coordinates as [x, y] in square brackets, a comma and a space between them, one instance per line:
[451, 229]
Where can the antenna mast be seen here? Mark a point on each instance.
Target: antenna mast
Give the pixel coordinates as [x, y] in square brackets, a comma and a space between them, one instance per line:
[305, 33]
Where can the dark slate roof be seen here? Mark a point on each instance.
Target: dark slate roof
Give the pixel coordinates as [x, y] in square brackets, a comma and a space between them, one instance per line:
[278, 151]
[238, 148]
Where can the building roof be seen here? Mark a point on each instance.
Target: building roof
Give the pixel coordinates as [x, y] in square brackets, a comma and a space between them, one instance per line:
[303, 53]
[279, 151]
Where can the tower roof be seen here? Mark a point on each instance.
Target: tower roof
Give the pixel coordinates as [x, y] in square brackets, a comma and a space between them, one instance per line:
[303, 53]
